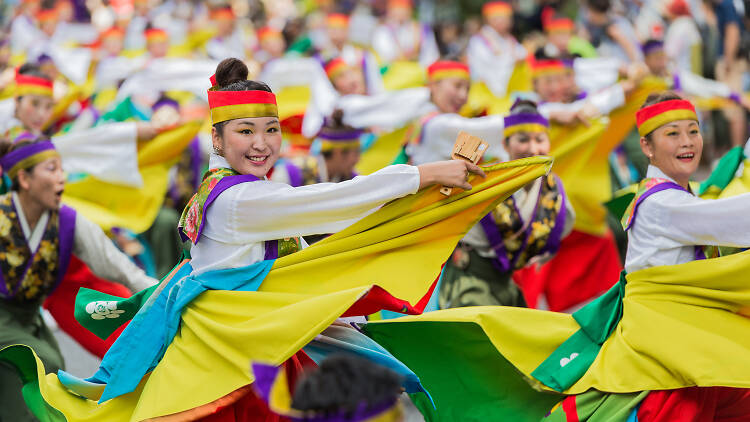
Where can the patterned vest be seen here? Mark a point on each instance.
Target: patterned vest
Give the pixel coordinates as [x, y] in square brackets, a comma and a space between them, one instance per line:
[28, 276]
[303, 170]
[516, 241]
[648, 187]
[216, 181]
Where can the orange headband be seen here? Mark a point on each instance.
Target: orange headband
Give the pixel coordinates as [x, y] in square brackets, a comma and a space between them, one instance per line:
[267, 32]
[447, 69]
[32, 85]
[399, 4]
[496, 8]
[230, 105]
[547, 67]
[652, 117]
[224, 13]
[559, 25]
[156, 35]
[46, 15]
[337, 20]
[113, 32]
[336, 67]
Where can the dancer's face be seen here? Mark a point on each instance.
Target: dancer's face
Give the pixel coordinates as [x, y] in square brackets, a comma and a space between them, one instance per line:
[250, 145]
[44, 182]
[527, 144]
[675, 148]
[450, 94]
[33, 111]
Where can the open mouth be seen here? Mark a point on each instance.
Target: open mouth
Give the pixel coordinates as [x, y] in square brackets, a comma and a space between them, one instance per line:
[257, 159]
[686, 157]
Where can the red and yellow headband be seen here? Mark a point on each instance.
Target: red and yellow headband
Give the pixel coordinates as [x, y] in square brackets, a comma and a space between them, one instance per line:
[32, 85]
[447, 69]
[46, 15]
[400, 4]
[496, 8]
[337, 20]
[156, 35]
[336, 67]
[546, 67]
[652, 117]
[230, 105]
[225, 14]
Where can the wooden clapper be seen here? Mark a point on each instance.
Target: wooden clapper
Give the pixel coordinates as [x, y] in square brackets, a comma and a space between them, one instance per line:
[467, 148]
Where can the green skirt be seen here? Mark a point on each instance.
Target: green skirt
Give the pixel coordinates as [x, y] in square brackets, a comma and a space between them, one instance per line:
[23, 324]
[470, 279]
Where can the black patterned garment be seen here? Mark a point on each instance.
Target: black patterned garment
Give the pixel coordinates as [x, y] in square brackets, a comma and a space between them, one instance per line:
[28, 276]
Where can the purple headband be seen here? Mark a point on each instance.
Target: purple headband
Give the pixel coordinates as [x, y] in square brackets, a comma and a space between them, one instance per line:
[362, 413]
[344, 135]
[10, 160]
[165, 101]
[650, 46]
[525, 118]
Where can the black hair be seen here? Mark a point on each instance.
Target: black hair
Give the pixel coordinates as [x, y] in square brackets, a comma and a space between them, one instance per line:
[659, 97]
[601, 6]
[7, 146]
[231, 75]
[343, 384]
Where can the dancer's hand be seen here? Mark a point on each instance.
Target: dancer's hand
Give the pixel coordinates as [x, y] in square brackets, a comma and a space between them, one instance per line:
[453, 174]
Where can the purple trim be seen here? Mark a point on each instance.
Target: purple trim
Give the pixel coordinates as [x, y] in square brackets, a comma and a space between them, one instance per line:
[526, 118]
[496, 242]
[12, 158]
[555, 236]
[676, 84]
[361, 414]
[424, 122]
[66, 235]
[651, 45]
[265, 375]
[658, 188]
[295, 174]
[582, 95]
[24, 136]
[349, 135]
[272, 249]
[735, 97]
[196, 162]
[224, 184]
[363, 63]
[699, 253]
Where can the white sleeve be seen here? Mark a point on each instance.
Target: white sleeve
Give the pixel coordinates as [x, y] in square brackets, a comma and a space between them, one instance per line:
[257, 211]
[606, 100]
[105, 260]
[107, 152]
[596, 73]
[692, 84]
[439, 136]
[494, 71]
[689, 220]
[390, 109]
[382, 43]
[372, 74]
[428, 51]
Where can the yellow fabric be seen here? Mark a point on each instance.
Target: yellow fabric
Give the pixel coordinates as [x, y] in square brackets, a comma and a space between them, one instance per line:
[168, 145]
[383, 151]
[740, 184]
[292, 101]
[221, 332]
[404, 74]
[110, 205]
[482, 99]
[33, 90]
[680, 327]
[581, 159]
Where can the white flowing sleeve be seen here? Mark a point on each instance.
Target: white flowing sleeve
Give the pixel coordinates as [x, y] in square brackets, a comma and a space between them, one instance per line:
[428, 51]
[388, 110]
[695, 85]
[688, 220]
[494, 71]
[383, 44]
[104, 259]
[257, 211]
[440, 133]
[107, 152]
[606, 100]
[594, 74]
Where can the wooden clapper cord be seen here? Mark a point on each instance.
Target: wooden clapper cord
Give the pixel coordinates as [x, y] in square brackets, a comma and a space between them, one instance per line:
[467, 148]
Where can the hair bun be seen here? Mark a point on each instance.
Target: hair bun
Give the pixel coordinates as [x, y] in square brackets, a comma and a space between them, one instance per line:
[524, 107]
[229, 71]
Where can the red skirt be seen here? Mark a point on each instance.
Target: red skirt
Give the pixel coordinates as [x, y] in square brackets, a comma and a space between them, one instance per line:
[584, 267]
[696, 404]
[61, 304]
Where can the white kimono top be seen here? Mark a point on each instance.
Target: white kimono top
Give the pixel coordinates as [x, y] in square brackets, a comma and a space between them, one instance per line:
[246, 215]
[670, 223]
